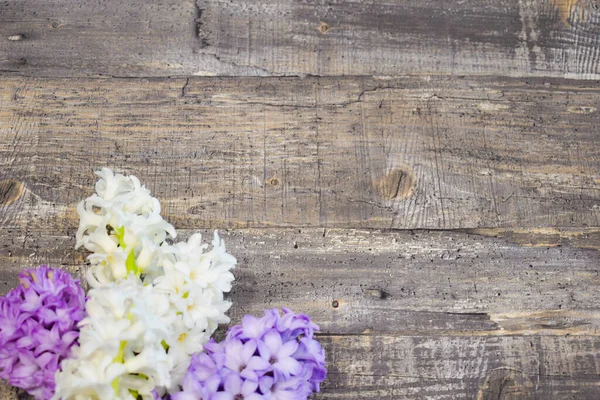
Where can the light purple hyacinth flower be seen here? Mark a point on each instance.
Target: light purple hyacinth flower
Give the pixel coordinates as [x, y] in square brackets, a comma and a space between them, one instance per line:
[272, 358]
[38, 327]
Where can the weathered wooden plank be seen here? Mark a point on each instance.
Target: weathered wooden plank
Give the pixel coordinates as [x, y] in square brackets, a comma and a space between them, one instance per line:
[431, 152]
[350, 37]
[546, 237]
[118, 38]
[417, 283]
[390, 367]
[347, 37]
[455, 367]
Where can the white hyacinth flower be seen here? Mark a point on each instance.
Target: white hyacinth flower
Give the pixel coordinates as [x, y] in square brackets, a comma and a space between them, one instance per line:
[122, 226]
[91, 379]
[152, 304]
[127, 323]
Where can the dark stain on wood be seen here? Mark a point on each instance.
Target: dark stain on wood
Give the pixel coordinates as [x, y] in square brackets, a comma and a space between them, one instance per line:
[377, 294]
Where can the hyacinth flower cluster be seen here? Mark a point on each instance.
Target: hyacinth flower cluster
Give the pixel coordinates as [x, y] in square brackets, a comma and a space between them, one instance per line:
[152, 304]
[38, 328]
[275, 357]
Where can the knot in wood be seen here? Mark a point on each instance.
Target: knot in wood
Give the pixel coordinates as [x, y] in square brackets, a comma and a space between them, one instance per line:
[506, 382]
[273, 181]
[10, 190]
[323, 28]
[396, 184]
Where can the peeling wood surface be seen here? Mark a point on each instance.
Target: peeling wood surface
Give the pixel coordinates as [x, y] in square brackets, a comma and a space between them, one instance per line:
[435, 152]
[557, 38]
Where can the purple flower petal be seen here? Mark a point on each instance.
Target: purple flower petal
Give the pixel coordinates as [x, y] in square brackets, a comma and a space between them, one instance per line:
[265, 384]
[254, 396]
[288, 366]
[232, 383]
[272, 340]
[258, 364]
[222, 396]
[288, 348]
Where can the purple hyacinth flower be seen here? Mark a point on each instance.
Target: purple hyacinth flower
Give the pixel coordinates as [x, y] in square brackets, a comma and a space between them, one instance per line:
[38, 327]
[279, 353]
[235, 387]
[240, 357]
[274, 358]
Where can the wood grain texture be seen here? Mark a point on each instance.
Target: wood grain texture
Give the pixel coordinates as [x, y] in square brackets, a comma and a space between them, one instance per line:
[432, 200]
[395, 282]
[353, 37]
[410, 153]
[408, 314]
[118, 38]
[557, 38]
[451, 367]
[391, 367]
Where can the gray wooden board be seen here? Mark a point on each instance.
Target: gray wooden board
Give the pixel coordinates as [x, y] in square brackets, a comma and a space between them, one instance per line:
[349, 37]
[408, 314]
[398, 282]
[415, 152]
[521, 367]
[264, 37]
[81, 38]
[450, 367]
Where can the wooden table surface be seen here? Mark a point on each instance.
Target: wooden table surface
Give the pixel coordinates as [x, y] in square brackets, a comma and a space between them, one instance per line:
[421, 177]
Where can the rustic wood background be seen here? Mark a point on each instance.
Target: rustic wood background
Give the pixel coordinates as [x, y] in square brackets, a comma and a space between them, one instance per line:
[422, 177]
